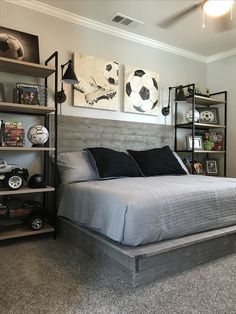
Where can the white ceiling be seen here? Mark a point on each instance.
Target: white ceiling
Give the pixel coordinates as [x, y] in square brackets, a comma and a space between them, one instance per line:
[186, 34]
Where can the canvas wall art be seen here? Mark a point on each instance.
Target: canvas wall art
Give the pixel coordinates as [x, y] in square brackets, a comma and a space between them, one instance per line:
[98, 82]
[18, 45]
[141, 91]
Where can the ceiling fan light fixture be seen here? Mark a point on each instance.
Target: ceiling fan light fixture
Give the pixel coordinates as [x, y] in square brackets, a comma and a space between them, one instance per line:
[217, 8]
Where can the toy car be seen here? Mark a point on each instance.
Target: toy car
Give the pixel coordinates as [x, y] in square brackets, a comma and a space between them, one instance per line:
[12, 176]
[14, 209]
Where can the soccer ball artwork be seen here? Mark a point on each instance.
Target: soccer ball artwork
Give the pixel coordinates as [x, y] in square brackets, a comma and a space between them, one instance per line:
[38, 135]
[111, 72]
[10, 47]
[142, 92]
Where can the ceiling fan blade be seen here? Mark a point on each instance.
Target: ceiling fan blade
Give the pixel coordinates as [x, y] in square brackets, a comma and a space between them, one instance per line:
[176, 17]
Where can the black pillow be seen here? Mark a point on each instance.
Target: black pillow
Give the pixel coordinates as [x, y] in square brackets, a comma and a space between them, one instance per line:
[157, 162]
[112, 164]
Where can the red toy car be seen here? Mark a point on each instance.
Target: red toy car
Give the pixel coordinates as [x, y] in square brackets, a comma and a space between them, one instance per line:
[14, 209]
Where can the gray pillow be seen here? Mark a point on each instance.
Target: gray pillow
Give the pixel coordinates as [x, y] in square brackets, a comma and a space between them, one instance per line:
[181, 162]
[75, 167]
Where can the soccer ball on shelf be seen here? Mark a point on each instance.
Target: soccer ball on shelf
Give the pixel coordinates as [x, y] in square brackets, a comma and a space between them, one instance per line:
[10, 47]
[38, 135]
[111, 72]
[142, 91]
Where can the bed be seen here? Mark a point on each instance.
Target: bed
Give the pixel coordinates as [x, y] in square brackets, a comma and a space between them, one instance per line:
[137, 211]
[145, 229]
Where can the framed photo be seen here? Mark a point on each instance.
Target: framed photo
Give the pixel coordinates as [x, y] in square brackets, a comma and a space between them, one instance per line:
[211, 167]
[19, 45]
[98, 86]
[198, 142]
[198, 168]
[208, 115]
[2, 92]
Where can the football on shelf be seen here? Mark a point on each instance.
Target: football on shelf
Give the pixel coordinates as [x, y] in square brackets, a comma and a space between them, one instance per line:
[142, 91]
[10, 47]
[111, 72]
[38, 135]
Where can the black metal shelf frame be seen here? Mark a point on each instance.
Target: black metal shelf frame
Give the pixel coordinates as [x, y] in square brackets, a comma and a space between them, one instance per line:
[194, 126]
[45, 116]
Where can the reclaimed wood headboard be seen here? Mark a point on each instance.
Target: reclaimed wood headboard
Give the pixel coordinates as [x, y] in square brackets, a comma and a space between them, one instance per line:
[76, 132]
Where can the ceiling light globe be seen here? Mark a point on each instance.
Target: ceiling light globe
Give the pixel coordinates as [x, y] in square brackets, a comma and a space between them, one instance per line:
[217, 7]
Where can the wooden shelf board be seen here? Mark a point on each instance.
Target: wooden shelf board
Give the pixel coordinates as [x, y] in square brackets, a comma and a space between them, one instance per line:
[202, 151]
[201, 125]
[26, 190]
[22, 231]
[20, 108]
[26, 149]
[200, 100]
[25, 68]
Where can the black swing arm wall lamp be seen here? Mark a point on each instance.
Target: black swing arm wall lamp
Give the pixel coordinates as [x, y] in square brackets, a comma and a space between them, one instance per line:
[179, 96]
[68, 77]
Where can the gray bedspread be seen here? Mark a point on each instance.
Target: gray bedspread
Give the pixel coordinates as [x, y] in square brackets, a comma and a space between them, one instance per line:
[136, 211]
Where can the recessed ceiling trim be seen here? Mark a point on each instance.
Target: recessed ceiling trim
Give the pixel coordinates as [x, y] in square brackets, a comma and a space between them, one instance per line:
[221, 55]
[80, 20]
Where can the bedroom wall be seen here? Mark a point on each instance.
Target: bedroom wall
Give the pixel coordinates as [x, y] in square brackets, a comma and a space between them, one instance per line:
[55, 34]
[221, 76]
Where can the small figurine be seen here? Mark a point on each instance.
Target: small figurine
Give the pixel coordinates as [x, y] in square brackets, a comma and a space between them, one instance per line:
[207, 143]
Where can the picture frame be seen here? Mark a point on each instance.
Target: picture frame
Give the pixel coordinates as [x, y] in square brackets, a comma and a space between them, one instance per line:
[211, 167]
[198, 168]
[2, 93]
[24, 46]
[198, 142]
[208, 115]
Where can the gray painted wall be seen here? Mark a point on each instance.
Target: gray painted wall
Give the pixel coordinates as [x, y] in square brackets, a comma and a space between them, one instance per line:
[221, 76]
[67, 38]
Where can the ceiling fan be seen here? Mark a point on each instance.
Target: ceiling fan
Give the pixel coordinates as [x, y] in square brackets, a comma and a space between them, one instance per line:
[216, 9]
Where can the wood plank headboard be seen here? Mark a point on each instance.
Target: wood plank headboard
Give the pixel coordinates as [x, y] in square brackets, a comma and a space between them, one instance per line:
[76, 132]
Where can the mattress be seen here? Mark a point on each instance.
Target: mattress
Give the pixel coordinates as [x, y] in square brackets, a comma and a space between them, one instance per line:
[135, 211]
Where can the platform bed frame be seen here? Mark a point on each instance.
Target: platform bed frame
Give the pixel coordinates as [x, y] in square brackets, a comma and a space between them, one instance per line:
[147, 263]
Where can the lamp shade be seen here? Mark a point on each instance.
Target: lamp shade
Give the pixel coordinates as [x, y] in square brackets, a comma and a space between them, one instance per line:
[180, 96]
[69, 77]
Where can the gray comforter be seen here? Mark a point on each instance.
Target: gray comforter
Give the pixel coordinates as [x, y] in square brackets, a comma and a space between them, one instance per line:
[136, 211]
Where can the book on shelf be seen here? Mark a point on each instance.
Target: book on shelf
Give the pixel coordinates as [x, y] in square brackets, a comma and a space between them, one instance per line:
[29, 94]
[12, 134]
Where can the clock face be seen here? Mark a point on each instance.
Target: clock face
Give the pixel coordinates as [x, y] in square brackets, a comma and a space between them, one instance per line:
[189, 116]
[207, 116]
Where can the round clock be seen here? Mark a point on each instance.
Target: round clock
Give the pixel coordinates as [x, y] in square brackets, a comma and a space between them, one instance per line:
[189, 115]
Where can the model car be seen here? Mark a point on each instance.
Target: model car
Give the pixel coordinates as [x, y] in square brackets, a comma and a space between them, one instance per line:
[14, 209]
[12, 176]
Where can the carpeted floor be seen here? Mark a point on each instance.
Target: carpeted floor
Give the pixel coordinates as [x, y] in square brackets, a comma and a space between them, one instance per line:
[50, 276]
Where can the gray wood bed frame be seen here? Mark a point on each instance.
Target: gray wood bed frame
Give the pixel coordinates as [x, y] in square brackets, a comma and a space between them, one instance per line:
[147, 263]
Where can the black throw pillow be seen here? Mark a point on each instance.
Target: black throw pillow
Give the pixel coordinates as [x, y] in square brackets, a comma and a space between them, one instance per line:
[112, 164]
[157, 162]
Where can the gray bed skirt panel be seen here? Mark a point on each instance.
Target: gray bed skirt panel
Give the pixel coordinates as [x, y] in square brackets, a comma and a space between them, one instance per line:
[147, 263]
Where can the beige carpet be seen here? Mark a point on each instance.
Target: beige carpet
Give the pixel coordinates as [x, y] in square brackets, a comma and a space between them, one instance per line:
[50, 276]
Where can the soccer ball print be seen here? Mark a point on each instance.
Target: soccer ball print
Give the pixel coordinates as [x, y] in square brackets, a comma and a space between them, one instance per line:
[10, 47]
[141, 91]
[98, 82]
[18, 45]
[111, 72]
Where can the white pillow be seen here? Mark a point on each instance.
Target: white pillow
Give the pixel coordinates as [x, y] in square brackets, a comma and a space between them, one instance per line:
[75, 167]
[181, 162]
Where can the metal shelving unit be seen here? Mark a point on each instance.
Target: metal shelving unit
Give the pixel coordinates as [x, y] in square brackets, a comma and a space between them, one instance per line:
[196, 100]
[43, 72]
